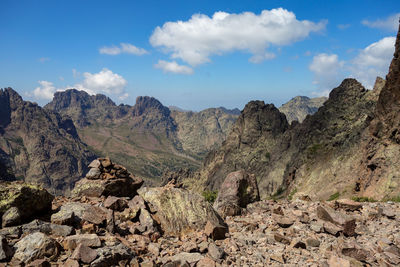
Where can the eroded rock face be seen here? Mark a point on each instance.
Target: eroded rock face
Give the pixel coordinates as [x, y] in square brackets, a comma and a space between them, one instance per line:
[39, 146]
[299, 107]
[178, 210]
[238, 189]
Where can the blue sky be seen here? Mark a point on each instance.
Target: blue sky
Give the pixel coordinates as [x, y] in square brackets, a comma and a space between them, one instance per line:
[194, 54]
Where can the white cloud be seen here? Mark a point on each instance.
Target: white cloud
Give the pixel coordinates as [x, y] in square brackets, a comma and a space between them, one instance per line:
[373, 61]
[196, 40]
[173, 67]
[124, 48]
[104, 81]
[46, 90]
[326, 69]
[390, 23]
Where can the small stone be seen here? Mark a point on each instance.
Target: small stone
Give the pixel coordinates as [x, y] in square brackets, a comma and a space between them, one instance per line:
[282, 239]
[5, 250]
[39, 263]
[11, 217]
[335, 261]
[332, 228]
[313, 242]
[115, 203]
[190, 258]
[154, 249]
[284, 222]
[95, 164]
[205, 262]
[215, 252]
[216, 232]
[105, 162]
[278, 257]
[84, 254]
[190, 247]
[347, 204]
[71, 263]
[90, 240]
[356, 253]
[94, 173]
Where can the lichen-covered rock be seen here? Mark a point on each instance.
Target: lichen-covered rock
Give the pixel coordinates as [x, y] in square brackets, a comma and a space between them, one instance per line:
[36, 246]
[111, 255]
[238, 189]
[21, 202]
[178, 210]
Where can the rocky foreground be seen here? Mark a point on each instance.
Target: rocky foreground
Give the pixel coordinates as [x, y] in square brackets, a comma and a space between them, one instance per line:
[111, 220]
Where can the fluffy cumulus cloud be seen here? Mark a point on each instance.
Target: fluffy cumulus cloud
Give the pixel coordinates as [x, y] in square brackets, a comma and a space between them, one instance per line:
[103, 82]
[45, 91]
[196, 40]
[390, 23]
[123, 48]
[173, 67]
[373, 61]
[327, 71]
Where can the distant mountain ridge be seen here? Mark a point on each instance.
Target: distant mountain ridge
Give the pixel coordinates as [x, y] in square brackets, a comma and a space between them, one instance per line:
[299, 107]
[39, 145]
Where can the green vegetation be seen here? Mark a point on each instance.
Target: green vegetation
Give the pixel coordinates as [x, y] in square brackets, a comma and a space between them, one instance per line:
[278, 194]
[334, 196]
[393, 199]
[267, 155]
[290, 196]
[313, 149]
[210, 195]
[363, 199]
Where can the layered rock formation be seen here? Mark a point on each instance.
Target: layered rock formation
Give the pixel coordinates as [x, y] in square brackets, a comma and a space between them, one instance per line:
[299, 107]
[38, 145]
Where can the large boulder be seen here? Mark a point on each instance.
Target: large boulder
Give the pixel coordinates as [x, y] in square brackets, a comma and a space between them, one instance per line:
[180, 211]
[238, 189]
[21, 202]
[75, 213]
[36, 246]
[107, 179]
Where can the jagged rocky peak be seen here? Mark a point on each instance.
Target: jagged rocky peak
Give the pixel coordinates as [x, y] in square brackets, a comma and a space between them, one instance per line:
[258, 118]
[76, 98]
[146, 104]
[299, 107]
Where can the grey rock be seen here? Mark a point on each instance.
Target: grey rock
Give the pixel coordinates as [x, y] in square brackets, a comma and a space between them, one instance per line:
[11, 217]
[94, 173]
[215, 252]
[36, 246]
[111, 255]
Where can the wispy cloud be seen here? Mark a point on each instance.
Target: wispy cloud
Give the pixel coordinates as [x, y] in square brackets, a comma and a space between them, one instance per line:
[173, 67]
[390, 23]
[343, 26]
[123, 48]
[196, 40]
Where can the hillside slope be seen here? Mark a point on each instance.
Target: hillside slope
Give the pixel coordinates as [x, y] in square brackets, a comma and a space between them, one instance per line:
[39, 146]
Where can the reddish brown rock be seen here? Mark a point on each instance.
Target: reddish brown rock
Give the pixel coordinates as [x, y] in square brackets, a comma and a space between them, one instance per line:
[238, 189]
[84, 254]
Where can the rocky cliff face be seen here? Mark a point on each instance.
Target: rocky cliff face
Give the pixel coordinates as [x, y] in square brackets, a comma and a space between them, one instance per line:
[296, 157]
[39, 146]
[299, 107]
[349, 147]
[200, 132]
